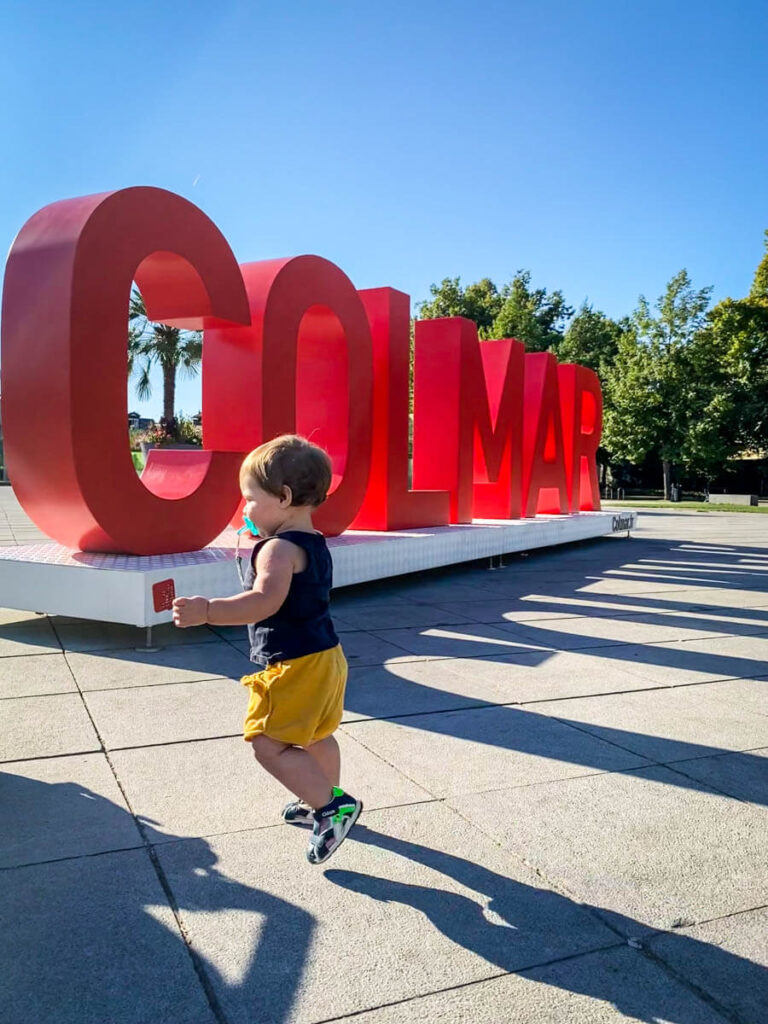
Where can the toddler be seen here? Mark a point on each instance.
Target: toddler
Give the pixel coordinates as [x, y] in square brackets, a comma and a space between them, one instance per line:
[297, 696]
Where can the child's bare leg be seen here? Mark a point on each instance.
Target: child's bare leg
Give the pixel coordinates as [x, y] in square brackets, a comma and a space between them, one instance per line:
[295, 768]
[328, 756]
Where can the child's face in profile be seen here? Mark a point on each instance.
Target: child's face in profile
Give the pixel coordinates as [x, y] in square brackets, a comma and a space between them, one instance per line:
[265, 510]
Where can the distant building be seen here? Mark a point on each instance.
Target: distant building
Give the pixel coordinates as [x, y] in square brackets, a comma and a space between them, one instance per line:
[136, 422]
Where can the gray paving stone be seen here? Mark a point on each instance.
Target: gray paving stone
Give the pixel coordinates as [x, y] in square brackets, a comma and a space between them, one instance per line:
[45, 726]
[9, 616]
[176, 664]
[727, 959]
[638, 851]
[717, 622]
[698, 575]
[650, 846]
[743, 776]
[164, 784]
[545, 674]
[487, 748]
[535, 606]
[471, 640]
[522, 593]
[663, 725]
[704, 572]
[424, 918]
[85, 635]
[699, 661]
[342, 626]
[62, 807]
[457, 587]
[719, 567]
[369, 649]
[376, 594]
[685, 608]
[401, 688]
[35, 675]
[409, 687]
[738, 600]
[232, 634]
[555, 583]
[141, 715]
[27, 636]
[398, 616]
[92, 940]
[753, 648]
[607, 987]
[746, 694]
[569, 633]
[634, 586]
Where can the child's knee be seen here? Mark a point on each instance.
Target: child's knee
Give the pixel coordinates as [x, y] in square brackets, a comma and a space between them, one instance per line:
[266, 750]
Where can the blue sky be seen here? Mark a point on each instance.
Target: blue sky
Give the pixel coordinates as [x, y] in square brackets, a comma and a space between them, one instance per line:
[602, 145]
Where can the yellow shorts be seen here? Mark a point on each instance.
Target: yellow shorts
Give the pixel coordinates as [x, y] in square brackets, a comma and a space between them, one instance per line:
[299, 701]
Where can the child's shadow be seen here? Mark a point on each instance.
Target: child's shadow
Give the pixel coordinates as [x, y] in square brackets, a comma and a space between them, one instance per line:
[522, 926]
[87, 933]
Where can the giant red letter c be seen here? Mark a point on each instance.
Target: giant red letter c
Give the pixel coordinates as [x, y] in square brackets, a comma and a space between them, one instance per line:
[65, 305]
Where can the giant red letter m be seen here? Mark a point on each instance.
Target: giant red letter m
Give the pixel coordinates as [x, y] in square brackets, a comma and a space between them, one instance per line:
[467, 436]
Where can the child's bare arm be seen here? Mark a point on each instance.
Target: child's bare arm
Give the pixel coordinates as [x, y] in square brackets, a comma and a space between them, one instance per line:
[276, 563]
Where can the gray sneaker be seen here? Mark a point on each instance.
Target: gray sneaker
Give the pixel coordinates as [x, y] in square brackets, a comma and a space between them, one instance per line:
[331, 825]
[298, 813]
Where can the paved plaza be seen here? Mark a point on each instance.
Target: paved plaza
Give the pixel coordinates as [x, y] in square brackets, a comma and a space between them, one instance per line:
[564, 765]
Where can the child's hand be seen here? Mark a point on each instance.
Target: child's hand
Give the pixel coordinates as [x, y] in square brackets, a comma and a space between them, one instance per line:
[190, 611]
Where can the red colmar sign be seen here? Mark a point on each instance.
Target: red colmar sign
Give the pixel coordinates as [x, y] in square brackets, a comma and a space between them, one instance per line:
[290, 346]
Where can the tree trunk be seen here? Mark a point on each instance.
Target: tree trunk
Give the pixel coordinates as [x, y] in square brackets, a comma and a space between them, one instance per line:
[667, 469]
[169, 395]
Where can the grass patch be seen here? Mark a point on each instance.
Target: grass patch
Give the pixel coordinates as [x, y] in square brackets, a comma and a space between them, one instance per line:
[693, 506]
[138, 461]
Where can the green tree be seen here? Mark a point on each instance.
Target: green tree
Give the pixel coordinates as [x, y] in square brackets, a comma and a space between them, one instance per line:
[712, 435]
[534, 316]
[170, 348]
[759, 290]
[480, 302]
[737, 336]
[592, 339]
[654, 396]
[632, 409]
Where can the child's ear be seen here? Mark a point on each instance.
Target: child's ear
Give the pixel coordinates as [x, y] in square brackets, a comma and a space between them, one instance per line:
[287, 498]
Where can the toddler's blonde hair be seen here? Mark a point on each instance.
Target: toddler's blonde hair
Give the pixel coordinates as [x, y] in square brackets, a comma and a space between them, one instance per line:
[290, 461]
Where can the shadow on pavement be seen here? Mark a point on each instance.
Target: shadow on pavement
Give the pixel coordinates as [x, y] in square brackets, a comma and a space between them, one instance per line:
[519, 907]
[88, 939]
[514, 731]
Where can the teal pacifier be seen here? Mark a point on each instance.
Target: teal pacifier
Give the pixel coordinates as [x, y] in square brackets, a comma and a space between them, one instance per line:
[249, 525]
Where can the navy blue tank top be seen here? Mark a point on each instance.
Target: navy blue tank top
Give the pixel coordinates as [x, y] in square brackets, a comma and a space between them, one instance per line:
[302, 625]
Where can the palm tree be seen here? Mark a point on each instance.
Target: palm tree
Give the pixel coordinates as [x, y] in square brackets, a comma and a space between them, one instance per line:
[151, 344]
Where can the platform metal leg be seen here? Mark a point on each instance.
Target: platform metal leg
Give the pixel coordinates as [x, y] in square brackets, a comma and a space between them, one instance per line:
[148, 648]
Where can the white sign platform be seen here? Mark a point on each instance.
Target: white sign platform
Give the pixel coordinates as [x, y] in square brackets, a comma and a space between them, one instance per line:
[119, 588]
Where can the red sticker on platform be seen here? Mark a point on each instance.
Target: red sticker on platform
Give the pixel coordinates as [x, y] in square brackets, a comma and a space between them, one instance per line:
[163, 594]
